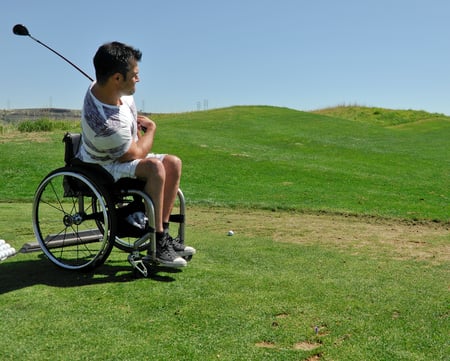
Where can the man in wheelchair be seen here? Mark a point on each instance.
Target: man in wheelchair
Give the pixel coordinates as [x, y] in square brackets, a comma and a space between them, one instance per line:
[120, 140]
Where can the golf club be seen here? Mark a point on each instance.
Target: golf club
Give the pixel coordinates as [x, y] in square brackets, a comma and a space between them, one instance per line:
[20, 29]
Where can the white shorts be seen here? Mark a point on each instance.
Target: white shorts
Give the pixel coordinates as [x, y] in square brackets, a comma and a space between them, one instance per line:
[128, 169]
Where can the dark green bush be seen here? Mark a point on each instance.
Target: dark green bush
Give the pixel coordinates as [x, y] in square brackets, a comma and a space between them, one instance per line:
[44, 125]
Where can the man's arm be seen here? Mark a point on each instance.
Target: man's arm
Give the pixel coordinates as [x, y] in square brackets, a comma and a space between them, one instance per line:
[140, 149]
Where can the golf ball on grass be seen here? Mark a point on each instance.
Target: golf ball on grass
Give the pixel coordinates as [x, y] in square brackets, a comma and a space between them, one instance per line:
[6, 250]
[230, 233]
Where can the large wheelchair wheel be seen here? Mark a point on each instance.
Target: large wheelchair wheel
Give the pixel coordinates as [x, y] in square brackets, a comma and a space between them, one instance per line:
[73, 233]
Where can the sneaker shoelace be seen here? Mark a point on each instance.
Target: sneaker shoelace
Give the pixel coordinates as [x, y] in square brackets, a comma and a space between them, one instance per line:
[177, 244]
[166, 247]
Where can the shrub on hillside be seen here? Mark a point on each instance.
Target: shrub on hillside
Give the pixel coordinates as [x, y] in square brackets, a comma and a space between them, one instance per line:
[44, 125]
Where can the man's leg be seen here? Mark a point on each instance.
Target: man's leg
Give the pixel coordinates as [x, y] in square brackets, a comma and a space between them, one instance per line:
[152, 171]
[172, 166]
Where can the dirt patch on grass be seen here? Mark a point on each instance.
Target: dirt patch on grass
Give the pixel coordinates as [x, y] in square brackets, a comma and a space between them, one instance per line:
[306, 346]
[401, 239]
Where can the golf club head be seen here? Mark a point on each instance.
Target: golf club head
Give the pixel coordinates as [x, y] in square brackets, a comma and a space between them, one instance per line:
[19, 29]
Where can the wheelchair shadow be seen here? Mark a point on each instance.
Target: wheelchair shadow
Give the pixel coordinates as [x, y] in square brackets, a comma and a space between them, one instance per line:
[16, 275]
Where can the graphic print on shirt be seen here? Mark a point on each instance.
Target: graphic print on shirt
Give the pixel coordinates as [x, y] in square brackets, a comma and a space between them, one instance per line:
[107, 130]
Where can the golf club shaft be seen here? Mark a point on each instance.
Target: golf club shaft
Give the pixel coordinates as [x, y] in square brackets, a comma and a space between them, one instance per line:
[21, 30]
[62, 57]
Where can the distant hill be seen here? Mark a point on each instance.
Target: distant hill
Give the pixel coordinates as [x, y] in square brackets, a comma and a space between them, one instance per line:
[377, 116]
[14, 115]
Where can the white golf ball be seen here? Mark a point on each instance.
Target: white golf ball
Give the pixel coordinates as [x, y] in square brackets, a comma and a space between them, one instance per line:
[6, 250]
[230, 233]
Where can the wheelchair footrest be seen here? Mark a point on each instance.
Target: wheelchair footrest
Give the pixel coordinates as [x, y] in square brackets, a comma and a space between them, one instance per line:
[137, 263]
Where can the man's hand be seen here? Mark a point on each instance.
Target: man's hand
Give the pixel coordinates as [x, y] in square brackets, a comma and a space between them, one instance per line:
[145, 124]
[140, 149]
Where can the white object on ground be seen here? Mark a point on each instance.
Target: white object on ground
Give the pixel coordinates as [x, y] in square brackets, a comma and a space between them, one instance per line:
[6, 250]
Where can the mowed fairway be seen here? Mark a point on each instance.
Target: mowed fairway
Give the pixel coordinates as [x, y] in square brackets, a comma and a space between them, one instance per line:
[341, 248]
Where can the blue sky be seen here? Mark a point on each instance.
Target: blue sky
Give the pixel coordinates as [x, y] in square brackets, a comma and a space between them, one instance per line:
[292, 53]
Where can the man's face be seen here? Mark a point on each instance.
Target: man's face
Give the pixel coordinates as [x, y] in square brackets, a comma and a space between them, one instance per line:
[128, 86]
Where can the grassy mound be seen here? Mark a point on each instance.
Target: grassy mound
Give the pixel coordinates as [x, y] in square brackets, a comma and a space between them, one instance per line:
[278, 158]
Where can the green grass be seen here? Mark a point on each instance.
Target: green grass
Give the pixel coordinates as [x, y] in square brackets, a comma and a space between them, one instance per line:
[383, 117]
[250, 297]
[237, 294]
[270, 157]
[265, 157]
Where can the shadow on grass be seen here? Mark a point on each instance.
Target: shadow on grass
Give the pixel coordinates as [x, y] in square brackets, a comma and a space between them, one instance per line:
[16, 274]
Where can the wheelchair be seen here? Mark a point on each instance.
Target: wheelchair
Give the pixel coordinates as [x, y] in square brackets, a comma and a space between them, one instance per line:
[79, 214]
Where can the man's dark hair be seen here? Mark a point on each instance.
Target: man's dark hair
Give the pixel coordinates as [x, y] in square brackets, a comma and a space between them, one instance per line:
[112, 58]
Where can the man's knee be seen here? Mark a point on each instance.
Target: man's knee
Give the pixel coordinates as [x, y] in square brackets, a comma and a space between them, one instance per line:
[150, 168]
[173, 163]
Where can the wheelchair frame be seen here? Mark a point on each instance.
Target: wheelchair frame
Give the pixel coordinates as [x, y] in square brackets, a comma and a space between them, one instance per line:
[78, 213]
